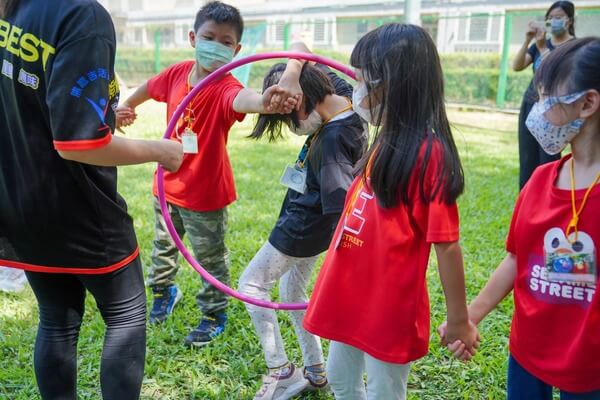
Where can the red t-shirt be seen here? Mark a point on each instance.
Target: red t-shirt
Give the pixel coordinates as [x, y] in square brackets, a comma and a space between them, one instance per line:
[204, 181]
[555, 331]
[371, 292]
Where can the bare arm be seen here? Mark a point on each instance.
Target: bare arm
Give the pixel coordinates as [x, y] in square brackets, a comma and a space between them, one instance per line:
[125, 113]
[248, 101]
[122, 151]
[498, 287]
[138, 97]
[452, 276]
[523, 59]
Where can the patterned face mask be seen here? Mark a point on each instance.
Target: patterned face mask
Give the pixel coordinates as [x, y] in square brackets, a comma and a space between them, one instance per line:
[309, 125]
[553, 139]
[360, 93]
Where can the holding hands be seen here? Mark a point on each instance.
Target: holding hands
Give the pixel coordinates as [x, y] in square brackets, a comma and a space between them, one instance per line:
[462, 340]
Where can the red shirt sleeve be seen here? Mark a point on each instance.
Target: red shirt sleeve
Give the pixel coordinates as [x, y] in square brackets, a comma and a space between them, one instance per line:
[439, 221]
[158, 86]
[511, 238]
[230, 92]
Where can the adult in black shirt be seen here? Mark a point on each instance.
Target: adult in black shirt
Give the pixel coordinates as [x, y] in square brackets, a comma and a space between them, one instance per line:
[61, 218]
[337, 139]
[560, 22]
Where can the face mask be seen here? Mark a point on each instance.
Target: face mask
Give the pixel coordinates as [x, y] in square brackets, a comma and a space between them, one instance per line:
[553, 139]
[360, 93]
[556, 26]
[309, 125]
[211, 54]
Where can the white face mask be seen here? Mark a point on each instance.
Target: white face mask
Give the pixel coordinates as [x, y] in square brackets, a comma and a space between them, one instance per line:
[360, 93]
[309, 125]
[553, 139]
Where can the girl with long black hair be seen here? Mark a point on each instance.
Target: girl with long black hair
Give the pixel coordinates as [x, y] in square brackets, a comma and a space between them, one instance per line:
[370, 298]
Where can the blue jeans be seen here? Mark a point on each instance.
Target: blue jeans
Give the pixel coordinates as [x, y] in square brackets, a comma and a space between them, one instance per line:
[524, 386]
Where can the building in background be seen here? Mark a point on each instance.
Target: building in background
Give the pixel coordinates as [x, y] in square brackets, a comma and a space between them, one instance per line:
[455, 25]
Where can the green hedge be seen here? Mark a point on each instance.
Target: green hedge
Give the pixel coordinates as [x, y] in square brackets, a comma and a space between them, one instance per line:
[470, 78]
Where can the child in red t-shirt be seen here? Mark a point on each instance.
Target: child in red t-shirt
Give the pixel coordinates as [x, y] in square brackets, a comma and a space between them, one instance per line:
[371, 298]
[200, 191]
[551, 264]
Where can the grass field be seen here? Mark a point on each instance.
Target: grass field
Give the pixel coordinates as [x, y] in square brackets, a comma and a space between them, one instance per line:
[232, 367]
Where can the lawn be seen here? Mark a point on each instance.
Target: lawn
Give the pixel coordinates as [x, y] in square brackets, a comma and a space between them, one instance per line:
[231, 368]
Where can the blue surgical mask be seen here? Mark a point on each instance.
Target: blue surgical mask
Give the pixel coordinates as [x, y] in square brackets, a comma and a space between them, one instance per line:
[211, 54]
[553, 139]
[557, 26]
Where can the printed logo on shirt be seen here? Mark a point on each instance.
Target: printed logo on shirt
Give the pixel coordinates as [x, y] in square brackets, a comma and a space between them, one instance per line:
[566, 274]
[24, 45]
[355, 221]
[100, 105]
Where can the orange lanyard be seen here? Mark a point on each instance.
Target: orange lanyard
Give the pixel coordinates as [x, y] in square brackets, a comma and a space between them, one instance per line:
[189, 119]
[576, 213]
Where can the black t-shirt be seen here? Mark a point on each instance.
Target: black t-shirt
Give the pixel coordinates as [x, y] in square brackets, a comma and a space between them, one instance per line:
[58, 92]
[536, 57]
[307, 221]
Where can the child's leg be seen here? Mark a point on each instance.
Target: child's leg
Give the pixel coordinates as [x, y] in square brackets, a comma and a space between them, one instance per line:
[522, 385]
[164, 253]
[386, 380]
[257, 280]
[206, 231]
[595, 395]
[292, 289]
[345, 368]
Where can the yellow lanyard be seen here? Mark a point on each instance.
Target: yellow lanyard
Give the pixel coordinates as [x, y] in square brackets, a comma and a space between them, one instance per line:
[576, 213]
[314, 136]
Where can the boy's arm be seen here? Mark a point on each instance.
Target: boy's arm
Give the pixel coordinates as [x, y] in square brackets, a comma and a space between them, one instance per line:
[125, 112]
[452, 276]
[498, 287]
[248, 101]
[290, 79]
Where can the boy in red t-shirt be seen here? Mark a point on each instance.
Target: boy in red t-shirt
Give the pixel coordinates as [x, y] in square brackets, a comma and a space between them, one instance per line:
[552, 244]
[200, 191]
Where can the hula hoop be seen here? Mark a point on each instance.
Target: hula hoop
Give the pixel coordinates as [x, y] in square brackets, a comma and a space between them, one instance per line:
[160, 172]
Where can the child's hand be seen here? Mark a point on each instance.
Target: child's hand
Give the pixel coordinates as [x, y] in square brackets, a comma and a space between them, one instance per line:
[289, 88]
[461, 340]
[125, 116]
[274, 101]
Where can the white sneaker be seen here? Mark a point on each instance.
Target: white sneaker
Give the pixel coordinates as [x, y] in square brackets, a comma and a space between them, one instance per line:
[282, 385]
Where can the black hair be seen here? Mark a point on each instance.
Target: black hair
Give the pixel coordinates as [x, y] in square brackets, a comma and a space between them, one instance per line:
[573, 65]
[7, 7]
[569, 9]
[315, 87]
[403, 61]
[220, 13]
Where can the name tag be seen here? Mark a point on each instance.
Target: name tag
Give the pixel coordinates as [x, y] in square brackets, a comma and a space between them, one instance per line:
[294, 178]
[189, 140]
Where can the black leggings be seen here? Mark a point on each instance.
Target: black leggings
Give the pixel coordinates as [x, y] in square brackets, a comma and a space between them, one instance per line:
[121, 299]
[531, 154]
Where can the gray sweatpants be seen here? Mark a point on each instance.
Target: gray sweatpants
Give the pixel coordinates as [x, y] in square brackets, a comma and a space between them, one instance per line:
[346, 366]
[267, 267]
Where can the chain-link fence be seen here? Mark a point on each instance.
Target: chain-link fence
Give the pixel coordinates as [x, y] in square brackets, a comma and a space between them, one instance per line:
[476, 49]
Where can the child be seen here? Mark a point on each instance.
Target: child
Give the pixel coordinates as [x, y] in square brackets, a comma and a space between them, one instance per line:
[551, 263]
[370, 298]
[199, 193]
[309, 214]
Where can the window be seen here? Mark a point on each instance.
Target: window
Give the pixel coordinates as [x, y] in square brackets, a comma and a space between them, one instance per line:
[478, 28]
[319, 31]
[279, 31]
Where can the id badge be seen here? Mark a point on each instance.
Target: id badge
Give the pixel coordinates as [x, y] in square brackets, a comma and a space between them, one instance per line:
[189, 140]
[294, 178]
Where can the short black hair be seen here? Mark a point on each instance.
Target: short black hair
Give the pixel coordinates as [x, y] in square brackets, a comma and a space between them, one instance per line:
[315, 87]
[220, 13]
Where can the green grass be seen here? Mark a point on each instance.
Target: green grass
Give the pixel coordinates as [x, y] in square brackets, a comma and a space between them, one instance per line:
[232, 367]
